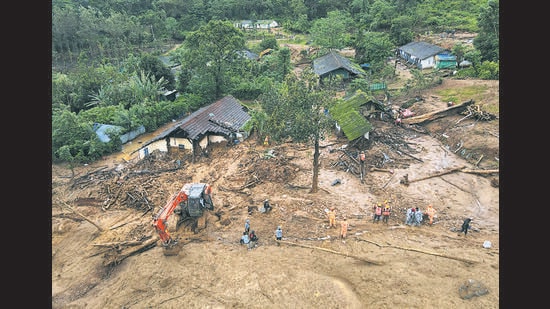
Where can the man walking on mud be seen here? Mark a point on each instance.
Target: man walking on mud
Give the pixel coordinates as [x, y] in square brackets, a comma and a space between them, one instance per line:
[465, 226]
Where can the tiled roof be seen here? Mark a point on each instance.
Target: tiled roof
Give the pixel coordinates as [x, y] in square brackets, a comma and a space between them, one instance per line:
[421, 50]
[333, 61]
[223, 117]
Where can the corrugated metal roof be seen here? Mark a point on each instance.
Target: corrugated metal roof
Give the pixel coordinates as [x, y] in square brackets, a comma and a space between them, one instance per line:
[421, 50]
[333, 61]
[446, 57]
[101, 131]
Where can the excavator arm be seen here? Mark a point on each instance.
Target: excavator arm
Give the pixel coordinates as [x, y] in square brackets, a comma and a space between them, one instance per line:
[161, 218]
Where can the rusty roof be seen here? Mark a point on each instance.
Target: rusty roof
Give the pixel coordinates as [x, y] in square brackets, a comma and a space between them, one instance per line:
[224, 117]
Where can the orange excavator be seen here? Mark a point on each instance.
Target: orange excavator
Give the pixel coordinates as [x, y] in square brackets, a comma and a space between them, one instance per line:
[188, 204]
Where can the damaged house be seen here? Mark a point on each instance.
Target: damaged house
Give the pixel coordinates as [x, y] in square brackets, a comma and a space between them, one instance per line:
[221, 121]
[351, 115]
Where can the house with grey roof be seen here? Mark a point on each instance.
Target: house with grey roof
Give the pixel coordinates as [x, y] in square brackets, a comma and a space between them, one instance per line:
[334, 64]
[221, 121]
[421, 54]
[256, 24]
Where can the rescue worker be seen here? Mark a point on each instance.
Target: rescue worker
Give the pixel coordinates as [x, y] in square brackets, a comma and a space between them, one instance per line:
[362, 163]
[431, 213]
[245, 239]
[465, 226]
[279, 233]
[332, 217]
[362, 157]
[267, 207]
[253, 239]
[377, 212]
[411, 218]
[344, 228]
[386, 212]
[247, 226]
[418, 217]
[253, 236]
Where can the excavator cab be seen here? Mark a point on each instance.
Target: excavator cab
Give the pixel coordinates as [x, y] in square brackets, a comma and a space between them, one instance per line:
[199, 199]
[188, 206]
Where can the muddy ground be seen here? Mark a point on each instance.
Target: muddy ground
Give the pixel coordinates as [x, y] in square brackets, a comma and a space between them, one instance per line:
[106, 254]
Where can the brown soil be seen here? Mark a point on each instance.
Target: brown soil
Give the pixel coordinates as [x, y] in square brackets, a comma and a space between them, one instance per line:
[377, 266]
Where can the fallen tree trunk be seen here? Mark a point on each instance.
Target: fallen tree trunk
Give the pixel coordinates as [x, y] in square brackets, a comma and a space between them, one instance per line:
[437, 175]
[331, 251]
[437, 114]
[376, 169]
[119, 243]
[116, 257]
[483, 172]
[421, 251]
[82, 216]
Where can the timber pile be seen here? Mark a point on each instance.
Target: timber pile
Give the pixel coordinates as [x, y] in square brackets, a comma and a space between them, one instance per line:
[476, 112]
[455, 109]
[271, 166]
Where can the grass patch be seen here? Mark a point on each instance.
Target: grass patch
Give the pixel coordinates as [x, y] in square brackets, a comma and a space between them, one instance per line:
[462, 94]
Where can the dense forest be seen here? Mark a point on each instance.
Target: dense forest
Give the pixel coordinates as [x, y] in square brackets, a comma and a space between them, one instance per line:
[112, 60]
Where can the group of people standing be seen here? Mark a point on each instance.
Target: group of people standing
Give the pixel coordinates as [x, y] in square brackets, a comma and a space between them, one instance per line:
[344, 225]
[250, 238]
[415, 215]
[381, 211]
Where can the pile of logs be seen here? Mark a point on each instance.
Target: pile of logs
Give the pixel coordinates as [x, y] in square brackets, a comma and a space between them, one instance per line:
[476, 112]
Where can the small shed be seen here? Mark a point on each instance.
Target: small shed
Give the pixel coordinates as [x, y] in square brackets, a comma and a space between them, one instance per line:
[445, 61]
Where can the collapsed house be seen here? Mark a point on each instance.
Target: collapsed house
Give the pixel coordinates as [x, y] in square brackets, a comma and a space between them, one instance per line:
[221, 121]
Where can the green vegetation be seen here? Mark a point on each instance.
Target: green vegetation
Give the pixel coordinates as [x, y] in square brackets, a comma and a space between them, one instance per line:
[106, 64]
[461, 95]
[464, 94]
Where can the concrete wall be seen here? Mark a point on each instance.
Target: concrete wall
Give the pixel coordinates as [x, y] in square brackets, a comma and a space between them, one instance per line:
[158, 145]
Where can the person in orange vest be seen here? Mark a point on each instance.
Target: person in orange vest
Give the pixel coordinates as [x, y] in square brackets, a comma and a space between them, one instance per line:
[386, 212]
[431, 213]
[332, 217]
[377, 212]
[344, 228]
